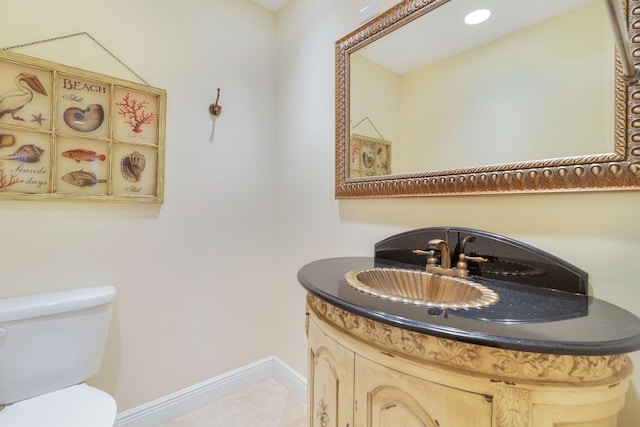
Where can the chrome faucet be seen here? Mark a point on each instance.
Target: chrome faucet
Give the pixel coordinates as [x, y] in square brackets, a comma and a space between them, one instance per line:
[444, 268]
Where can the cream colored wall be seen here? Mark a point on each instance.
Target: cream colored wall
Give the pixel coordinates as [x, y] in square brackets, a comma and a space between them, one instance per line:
[596, 231]
[375, 94]
[193, 275]
[493, 93]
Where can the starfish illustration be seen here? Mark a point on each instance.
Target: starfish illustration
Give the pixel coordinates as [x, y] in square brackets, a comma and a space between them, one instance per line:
[38, 118]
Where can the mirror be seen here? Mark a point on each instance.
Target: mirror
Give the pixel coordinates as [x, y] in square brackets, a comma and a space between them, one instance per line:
[530, 100]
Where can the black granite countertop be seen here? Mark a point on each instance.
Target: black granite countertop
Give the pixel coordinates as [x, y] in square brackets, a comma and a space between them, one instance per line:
[526, 318]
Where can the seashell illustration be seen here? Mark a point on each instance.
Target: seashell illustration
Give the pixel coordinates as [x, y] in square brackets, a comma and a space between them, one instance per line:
[84, 120]
[7, 140]
[367, 159]
[27, 154]
[132, 166]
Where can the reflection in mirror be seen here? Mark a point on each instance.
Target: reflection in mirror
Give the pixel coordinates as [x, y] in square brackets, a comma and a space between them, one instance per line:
[543, 90]
[528, 100]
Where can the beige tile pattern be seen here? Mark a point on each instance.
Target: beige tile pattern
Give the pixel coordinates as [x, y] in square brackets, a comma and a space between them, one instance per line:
[267, 404]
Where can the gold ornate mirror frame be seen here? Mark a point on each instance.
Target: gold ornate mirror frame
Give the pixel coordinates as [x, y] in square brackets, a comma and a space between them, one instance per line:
[618, 170]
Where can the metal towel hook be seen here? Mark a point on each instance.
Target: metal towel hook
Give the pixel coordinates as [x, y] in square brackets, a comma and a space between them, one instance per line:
[216, 109]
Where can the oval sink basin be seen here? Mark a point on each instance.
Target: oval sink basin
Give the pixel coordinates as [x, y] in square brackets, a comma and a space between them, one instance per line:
[506, 267]
[421, 288]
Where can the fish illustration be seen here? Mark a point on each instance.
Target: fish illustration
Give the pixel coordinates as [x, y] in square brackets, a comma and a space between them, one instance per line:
[27, 154]
[80, 154]
[82, 178]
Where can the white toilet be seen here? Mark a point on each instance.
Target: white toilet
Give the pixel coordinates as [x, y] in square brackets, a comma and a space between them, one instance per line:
[49, 345]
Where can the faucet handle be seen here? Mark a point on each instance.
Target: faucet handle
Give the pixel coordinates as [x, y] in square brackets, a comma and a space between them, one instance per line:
[431, 256]
[462, 260]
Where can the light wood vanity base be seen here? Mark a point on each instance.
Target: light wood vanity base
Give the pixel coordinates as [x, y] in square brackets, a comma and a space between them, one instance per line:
[366, 373]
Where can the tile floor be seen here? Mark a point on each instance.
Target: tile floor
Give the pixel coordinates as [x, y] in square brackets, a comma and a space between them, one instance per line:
[266, 404]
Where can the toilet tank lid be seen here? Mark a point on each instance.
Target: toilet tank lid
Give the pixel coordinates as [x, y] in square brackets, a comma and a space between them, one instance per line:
[30, 306]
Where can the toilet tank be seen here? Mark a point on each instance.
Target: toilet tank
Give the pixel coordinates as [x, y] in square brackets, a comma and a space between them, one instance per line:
[51, 341]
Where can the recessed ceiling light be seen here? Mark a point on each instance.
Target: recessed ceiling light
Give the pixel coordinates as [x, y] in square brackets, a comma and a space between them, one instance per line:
[477, 16]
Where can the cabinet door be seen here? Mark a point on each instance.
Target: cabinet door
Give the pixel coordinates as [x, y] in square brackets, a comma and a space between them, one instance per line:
[331, 381]
[388, 398]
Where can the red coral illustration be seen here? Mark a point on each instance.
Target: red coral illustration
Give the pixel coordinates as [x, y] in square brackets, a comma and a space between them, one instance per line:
[7, 181]
[355, 152]
[135, 112]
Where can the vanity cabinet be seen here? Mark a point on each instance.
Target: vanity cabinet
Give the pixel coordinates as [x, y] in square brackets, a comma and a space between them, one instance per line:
[388, 397]
[331, 392]
[366, 373]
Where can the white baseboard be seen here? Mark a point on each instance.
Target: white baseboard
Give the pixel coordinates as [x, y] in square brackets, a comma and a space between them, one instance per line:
[289, 378]
[182, 402]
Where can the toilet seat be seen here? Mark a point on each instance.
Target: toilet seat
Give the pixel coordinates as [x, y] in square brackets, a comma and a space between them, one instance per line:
[76, 406]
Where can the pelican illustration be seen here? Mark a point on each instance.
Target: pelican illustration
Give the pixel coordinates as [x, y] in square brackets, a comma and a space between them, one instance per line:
[12, 101]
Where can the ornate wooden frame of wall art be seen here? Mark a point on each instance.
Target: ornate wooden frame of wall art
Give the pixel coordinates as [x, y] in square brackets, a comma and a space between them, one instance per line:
[71, 134]
[619, 170]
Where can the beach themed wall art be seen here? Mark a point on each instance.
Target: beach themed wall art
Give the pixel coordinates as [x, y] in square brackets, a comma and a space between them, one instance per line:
[71, 134]
[369, 156]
